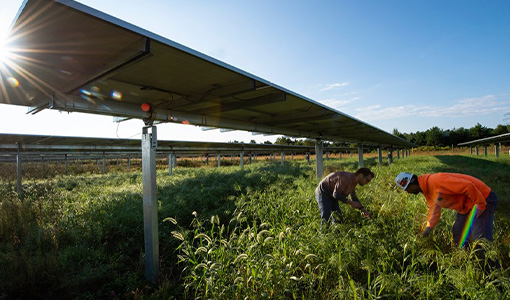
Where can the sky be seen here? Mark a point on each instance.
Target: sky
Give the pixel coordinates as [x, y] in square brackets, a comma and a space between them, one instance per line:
[405, 65]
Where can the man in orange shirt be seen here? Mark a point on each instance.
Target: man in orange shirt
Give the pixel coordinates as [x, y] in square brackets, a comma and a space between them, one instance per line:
[336, 187]
[474, 201]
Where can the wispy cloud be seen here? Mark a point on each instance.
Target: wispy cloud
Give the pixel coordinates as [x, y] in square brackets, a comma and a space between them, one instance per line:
[463, 108]
[334, 86]
[338, 103]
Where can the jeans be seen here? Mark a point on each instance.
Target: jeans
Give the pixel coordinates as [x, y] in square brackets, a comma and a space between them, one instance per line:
[327, 204]
[482, 227]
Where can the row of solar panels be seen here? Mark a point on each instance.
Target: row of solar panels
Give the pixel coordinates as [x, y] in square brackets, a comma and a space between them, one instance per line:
[70, 57]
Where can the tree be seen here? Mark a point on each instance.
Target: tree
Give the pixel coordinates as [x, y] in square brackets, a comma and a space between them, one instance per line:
[500, 129]
[397, 133]
[479, 132]
[283, 141]
[434, 137]
[457, 136]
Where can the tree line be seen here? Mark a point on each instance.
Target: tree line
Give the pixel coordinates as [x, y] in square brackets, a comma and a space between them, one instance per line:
[438, 137]
[435, 137]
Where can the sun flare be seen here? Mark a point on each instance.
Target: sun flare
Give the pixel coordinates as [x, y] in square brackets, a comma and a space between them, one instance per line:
[4, 50]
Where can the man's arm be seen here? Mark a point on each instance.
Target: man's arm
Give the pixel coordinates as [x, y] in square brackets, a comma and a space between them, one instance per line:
[427, 231]
[355, 204]
[340, 197]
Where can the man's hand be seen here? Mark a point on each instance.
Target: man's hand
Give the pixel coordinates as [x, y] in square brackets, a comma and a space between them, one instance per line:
[427, 231]
[356, 204]
[366, 213]
[479, 212]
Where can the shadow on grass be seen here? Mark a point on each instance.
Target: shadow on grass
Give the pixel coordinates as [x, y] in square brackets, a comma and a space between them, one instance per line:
[496, 174]
[93, 247]
[214, 193]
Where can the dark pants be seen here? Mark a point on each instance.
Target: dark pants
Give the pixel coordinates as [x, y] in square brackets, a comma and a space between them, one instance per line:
[482, 227]
[327, 204]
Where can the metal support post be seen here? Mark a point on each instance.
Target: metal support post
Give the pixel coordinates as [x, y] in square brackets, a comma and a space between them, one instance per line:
[390, 157]
[170, 163]
[379, 154]
[150, 203]
[242, 159]
[496, 150]
[319, 164]
[283, 158]
[219, 160]
[485, 150]
[19, 187]
[104, 164]
[361, 163]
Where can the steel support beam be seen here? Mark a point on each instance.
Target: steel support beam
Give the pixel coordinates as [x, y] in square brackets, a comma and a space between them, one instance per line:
[104, 164]
[150, 203]
[170, 163]
[19, 187]
[319, 164]
[361, 163]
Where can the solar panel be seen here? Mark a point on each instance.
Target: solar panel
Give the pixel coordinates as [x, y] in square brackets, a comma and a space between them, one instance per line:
[51, 143]
[73, 58]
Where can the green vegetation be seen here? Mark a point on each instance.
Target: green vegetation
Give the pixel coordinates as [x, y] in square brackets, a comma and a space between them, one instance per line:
[434, 137]
[255, 233]
[438, 137]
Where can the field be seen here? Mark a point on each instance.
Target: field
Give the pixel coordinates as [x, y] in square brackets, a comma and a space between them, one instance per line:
[255, 233]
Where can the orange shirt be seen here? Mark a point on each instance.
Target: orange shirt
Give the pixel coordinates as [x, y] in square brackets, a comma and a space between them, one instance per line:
[454, 191]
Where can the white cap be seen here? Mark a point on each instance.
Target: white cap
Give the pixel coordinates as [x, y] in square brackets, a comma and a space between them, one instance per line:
[403, 179]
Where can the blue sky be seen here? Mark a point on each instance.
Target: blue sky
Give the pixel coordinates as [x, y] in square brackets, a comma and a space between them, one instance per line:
[409, 65]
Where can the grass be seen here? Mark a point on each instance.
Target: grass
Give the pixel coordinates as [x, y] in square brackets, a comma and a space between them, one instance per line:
[255, 233]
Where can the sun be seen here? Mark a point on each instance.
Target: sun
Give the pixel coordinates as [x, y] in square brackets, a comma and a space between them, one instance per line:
[4, 50]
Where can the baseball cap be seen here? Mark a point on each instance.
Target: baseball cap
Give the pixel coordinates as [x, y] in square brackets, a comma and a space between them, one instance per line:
[403, 179]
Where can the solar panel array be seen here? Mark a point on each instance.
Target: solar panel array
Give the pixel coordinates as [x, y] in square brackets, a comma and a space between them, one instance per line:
[70, 57]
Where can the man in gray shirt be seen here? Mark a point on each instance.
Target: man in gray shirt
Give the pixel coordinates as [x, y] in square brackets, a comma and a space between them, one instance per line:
[336, 187]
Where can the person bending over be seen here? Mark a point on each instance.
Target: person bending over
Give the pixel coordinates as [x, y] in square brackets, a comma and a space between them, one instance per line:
[336, 187]
[473, 200]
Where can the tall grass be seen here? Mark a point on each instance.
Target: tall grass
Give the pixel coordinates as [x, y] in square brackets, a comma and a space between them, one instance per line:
[255, 233]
